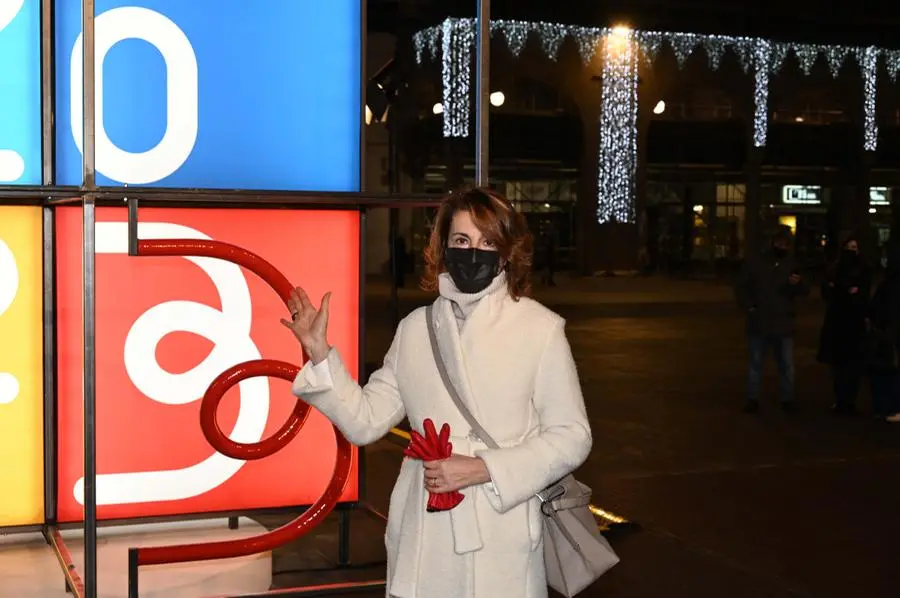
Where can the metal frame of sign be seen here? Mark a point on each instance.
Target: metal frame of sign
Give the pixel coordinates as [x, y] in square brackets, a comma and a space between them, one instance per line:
[83, 583]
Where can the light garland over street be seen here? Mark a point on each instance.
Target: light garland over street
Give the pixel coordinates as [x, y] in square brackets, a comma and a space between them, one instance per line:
[453, 43]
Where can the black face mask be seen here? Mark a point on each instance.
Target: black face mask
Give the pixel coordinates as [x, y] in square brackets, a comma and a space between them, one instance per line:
[779, 252]
[472, 270]
[849, 256]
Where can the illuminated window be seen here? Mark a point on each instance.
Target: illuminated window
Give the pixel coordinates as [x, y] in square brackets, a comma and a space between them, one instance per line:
[788, 221]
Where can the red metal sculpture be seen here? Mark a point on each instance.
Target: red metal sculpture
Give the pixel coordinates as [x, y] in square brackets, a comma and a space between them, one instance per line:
[259, 450]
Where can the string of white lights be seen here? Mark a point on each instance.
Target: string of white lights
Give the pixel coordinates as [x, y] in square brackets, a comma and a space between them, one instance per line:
[617, 154]
[762, 56]
[427, 41]
[891, 63]
[619, 106]
[457, 37]
[777, 57]
[650, 42]
[715, 46]
[869, 61]
[835, 56]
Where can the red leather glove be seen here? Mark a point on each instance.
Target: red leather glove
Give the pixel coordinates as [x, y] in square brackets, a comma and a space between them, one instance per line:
[434, 447]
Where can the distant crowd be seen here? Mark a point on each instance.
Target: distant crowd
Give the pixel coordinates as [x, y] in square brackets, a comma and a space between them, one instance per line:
[860, 334]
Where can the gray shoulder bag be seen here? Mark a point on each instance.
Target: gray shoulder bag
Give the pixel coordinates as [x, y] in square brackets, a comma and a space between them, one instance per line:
[575, 553]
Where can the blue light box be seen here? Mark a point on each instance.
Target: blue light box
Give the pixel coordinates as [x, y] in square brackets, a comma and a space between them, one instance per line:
[225, 94]
[20, 92]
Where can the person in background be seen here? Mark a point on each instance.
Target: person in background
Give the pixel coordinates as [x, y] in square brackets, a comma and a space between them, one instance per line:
[884, 326]
[845, 290]
[766, 291]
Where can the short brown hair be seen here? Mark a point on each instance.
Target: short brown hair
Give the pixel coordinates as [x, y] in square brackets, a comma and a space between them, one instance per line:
[498, 222]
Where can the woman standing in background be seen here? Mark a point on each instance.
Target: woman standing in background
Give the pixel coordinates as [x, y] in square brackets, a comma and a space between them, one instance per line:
[884, 334]
[842, 341]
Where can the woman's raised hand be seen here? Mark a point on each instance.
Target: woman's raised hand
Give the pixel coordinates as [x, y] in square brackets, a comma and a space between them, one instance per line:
[309, 325]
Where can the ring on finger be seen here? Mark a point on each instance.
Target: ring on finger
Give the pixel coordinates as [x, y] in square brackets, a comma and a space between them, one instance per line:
[294, 315]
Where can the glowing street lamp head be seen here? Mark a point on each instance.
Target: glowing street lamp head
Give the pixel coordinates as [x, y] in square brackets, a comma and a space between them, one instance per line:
[618, 38]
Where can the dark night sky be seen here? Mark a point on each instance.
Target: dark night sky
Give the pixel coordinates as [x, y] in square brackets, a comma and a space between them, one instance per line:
[841, 21]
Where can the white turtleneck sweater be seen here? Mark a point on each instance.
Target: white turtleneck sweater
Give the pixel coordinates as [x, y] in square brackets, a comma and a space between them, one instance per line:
[463, 306]
[465, 303]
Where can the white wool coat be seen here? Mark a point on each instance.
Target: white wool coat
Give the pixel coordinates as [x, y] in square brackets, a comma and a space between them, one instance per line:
[512, 365]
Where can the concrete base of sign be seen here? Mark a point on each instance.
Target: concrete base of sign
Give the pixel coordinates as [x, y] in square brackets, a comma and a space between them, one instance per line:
[28, 566]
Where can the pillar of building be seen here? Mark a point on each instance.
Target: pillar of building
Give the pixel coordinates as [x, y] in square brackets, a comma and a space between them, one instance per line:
[453, 162]
[860, 219]
[640, 187]
[753, 201]
[843, 202]
[586, 205]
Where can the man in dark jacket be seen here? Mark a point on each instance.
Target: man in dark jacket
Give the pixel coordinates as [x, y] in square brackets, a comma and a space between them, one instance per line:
[884, 358]
[766, 290]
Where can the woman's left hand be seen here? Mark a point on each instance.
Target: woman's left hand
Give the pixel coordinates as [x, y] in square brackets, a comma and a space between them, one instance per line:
[455, 473]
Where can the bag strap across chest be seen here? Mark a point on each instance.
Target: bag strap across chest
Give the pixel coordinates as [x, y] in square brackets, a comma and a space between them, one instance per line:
[451, 388]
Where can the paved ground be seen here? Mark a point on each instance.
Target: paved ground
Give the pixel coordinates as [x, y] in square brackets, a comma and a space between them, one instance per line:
[730, 505]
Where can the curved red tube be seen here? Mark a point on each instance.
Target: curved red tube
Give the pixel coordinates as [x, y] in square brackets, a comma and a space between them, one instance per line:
[216, 391]
[159, 555]
[313, 516]
[223, 251]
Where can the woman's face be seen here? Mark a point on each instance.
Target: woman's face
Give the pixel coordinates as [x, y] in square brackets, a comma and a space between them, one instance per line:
[465, 235]
[852, 245]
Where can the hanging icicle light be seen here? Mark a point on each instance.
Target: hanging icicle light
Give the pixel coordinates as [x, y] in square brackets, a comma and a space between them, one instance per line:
[552, 37]
[458, 37]
[777, 56]
[891, 63]
[617, 155]
[834, 56]
[427, 42]
[806, 56]
[516, 33]
[715, 46]
[649, 43]
[869, 62]
[762, 55]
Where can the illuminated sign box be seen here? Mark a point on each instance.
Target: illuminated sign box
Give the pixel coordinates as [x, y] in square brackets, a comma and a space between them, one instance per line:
[166, 327]
[21, 367]
[20, 92]
[215, 94]
[880, 196]
[812, 195]
[801, 194]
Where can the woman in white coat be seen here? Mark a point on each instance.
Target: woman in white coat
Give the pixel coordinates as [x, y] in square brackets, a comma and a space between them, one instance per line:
[510, 361]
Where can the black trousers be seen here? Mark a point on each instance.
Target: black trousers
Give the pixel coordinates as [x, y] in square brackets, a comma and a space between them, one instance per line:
[847, 382]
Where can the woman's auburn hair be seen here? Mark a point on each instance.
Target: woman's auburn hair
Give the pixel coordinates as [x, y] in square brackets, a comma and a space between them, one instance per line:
[498, 221]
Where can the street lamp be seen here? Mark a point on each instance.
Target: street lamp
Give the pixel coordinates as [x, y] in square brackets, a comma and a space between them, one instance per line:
[660, 107]
[618, 39]
[497, 99]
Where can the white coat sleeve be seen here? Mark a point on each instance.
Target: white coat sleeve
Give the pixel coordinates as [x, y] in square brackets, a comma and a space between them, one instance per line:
[362, 414]
[564, 438]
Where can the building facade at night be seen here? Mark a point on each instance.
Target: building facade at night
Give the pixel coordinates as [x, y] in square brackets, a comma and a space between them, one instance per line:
[658, 150]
